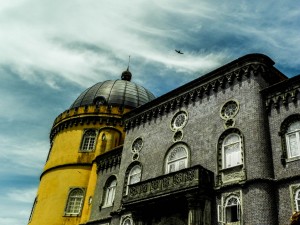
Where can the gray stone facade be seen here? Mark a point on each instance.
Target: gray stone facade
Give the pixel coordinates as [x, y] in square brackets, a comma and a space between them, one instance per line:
[206, 190]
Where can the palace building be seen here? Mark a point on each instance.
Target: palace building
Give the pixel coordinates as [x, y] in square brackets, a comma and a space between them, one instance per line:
[223, 149]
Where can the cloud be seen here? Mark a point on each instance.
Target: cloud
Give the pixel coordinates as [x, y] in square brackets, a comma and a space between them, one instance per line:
[51, 51]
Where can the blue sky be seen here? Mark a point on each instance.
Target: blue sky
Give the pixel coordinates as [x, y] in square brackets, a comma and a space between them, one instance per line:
[52, 50]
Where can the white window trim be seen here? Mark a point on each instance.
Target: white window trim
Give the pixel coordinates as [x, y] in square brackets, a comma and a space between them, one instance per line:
[221, 210]
[297, 200]
[130, 175]
[297, 132]
[223, 150]
[68, 213]
[168, 163]
[126, 217]
[90, 147]
[110, 189]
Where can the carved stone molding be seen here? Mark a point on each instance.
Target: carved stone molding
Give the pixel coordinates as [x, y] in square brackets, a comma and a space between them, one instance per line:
[80, 121]
[109, 160]
[200, 91]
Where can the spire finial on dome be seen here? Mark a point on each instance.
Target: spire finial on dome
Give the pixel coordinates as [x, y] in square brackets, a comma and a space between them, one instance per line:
[126, 75]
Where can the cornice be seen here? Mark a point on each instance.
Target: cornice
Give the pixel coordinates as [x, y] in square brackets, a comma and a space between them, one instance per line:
[85, 120]
[282, 94]
[64, 165]
[109, 159]
[197, 89]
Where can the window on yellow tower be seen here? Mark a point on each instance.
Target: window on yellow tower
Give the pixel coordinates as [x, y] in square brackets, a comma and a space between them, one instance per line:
[89, 141]
[75, 202]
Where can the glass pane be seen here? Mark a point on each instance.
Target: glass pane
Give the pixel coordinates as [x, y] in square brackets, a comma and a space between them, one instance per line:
[293, 145]
[294, 126]
[181, 164]
[172, 167]
[231, 139]
[177, 153]
[232, 155]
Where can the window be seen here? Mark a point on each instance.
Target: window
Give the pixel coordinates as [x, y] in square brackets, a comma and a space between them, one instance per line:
[179, 120]
[177, 158]
[293, 140]
[74, 203]
[230, 212]
[110, 191]
[89, 140]
[134, 176]
[127, 221]
[231, 149]
[297, 200]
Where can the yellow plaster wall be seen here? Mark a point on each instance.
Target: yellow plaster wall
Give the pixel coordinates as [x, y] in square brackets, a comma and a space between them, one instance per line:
[64, 170]
[53, 194]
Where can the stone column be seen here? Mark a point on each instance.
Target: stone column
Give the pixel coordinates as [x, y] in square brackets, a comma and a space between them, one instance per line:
[199, 210]
[195, 216]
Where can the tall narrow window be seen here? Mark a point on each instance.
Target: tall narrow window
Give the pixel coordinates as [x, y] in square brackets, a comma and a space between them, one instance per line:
[134, 176]
[232, 210]
[293, 140]
[177, 159]
[297, 200]
[110, 191]
[231, 149]
[74, 203]
[89, 141]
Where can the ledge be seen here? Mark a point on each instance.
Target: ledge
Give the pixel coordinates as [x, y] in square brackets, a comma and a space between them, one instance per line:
[190, 179]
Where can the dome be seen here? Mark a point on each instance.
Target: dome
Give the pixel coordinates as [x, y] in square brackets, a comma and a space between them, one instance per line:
[116, 93]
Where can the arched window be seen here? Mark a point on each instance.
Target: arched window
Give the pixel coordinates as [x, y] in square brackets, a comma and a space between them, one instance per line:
[134, 176]
[232, 209]
[110, 191]
[127, 221]
[177, 158]
[89, 141]
[297, 200]
[231, 151]
[292, 137]
[75, 201]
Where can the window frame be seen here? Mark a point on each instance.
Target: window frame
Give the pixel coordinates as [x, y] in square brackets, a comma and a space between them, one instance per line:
[223, 209]
[220, 153]
[86, 136]
[297, 200]
[69, 200]
[130, 174]
[177, 160]
[288, 146]
[109, 188]
[285, 125]
[224, 154]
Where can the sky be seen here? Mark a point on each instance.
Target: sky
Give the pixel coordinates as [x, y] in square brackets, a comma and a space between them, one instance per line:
[52, 50]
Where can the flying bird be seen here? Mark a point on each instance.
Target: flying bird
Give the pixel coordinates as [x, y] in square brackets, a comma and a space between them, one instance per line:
[178, 51]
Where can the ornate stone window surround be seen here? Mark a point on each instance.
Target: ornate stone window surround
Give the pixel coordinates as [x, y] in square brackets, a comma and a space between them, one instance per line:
[283, 133]
[130, 168]
[295, 197]
[230, 210]
[177, 157]
[126, 220]
[75, 201]
[179, 120]
[221, 148]
[89, 140]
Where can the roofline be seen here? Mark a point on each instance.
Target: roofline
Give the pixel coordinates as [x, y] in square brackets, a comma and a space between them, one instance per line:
[254, 57]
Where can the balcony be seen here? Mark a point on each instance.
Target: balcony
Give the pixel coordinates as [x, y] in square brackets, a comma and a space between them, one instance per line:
[189, 180]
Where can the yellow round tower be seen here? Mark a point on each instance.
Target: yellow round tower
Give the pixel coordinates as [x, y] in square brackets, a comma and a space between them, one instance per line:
[92, 126]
